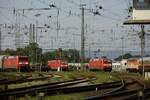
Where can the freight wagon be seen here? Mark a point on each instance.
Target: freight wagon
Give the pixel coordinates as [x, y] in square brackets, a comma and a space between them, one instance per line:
[100, 64]
[57, 65]
[135, 64]
[18, 63]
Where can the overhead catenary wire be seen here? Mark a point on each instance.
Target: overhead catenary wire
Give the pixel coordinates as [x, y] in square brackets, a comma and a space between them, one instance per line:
[74, 14]
[74, 4]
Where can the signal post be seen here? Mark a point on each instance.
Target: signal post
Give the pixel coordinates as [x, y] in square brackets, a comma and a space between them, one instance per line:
[140, 16]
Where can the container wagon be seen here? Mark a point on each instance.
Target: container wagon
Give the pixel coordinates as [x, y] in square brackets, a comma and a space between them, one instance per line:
[100, 64]
[18, 63]
[116, 66]
[57, 64]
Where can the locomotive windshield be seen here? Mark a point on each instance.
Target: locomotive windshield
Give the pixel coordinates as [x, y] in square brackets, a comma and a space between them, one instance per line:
[23, 58]
[107, 61]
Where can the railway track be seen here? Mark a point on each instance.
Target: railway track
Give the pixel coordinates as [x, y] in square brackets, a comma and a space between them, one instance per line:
[10, 81]
[54, 88]
[127, 88]
[33, 90]
[85, 88]
[128, 91]
[21, 80]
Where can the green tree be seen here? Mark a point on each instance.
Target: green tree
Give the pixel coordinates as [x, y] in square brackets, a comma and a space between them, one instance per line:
[70, 55]
[48, 56]
[9, 52]
[34, 52]
[125, 56]
[20, 52]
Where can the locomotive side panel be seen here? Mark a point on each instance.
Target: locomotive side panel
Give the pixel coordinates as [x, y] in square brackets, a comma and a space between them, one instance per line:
[101, 64]
[55, 64]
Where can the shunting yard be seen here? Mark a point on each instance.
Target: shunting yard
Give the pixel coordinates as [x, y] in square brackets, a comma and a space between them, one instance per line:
[74, 50]
[65, 85]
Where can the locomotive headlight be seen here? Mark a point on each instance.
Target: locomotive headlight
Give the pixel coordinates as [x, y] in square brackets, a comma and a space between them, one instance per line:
[20, 62]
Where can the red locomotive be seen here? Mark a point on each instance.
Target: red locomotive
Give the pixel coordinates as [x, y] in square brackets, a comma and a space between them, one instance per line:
[100, 64]
[20, 63]
[57, 64]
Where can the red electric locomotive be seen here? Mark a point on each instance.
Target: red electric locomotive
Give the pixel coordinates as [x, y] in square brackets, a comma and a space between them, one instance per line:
[100, 64]
[20, 63]
[57, 64]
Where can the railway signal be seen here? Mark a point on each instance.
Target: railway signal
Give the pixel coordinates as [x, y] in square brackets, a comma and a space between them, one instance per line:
[140, 16]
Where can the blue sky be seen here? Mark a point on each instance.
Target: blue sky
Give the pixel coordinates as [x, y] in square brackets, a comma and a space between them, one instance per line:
[102, 31]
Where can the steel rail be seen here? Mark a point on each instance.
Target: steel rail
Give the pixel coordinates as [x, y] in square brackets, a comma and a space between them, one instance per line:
[122, 93]
[54, 88]
[7, 81]
[34, 89]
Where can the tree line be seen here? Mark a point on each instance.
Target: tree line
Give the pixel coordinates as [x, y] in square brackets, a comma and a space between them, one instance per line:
[37, 56]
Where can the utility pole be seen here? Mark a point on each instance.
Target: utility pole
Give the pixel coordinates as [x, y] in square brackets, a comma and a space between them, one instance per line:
[82, 35]
[57, 23]
[122, 38]
[30, 34]
[89, 50]
[74, 44]
[52, 44]
[74, 47]
[36, 40]
[36, 37]
[33, 35]
[142, 37]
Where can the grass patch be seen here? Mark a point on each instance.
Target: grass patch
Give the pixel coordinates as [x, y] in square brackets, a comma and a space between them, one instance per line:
[99, 76]
[75, 96]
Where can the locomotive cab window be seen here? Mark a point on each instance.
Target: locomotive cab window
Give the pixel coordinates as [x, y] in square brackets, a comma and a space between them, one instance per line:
[107, 62]
[141, 1]
[141, 4]
[23, 58]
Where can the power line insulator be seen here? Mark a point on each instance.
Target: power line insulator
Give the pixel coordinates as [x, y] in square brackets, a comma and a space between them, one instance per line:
[52, 5]
[14, 11]
[130, 9]
[100, 7]
[48, 26]
[96, 13]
